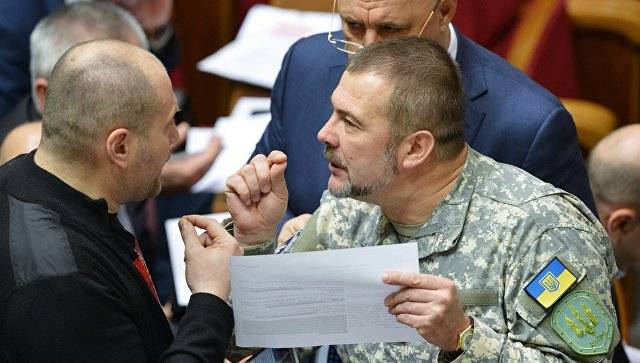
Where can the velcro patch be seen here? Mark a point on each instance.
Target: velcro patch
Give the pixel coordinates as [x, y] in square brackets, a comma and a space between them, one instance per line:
[583, 322]
[551, 283]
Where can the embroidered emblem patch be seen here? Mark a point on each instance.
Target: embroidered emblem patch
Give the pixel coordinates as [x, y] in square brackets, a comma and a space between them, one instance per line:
[551, 283]
[583, 322]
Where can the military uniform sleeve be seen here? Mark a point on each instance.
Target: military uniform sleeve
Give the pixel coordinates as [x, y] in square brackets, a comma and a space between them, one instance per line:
[557, 302]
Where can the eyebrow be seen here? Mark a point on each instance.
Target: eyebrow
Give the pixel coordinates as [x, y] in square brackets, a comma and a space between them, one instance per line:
[344, 113]
[387, 23]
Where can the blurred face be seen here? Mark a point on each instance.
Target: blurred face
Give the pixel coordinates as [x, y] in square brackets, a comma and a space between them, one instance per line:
[369, 21]
[154, 148]
[357, 139]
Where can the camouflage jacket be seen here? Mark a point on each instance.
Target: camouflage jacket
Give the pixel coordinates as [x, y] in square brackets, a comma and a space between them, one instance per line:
[493, 235]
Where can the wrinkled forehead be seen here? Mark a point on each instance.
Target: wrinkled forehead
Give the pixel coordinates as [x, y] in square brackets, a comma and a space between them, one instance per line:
[384, 11]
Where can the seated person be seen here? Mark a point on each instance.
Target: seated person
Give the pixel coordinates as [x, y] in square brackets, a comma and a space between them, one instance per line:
[511, 268]
[77, 23]
[614, 173]
[21, 140]
[508, 117]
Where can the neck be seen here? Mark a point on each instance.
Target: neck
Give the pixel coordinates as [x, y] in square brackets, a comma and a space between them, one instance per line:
[416, 196]
[76, 176]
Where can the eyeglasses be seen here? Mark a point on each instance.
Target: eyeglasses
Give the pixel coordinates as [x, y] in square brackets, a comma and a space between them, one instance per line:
[352, 47]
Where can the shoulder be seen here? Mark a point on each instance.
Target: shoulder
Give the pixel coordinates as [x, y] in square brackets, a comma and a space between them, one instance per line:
[515, 92]
[313, 54]
[503, 186]
[37, 241]
[347, 222]
[507, 184]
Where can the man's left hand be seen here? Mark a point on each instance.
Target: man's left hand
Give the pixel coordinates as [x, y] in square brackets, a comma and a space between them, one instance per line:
[182, 174]
[430, 304]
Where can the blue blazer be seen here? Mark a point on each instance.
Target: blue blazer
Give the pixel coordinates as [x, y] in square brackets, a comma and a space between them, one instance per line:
[17, 20]
[508, 117]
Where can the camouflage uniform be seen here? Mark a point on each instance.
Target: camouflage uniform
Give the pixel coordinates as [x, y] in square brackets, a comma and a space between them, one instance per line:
[491, 235]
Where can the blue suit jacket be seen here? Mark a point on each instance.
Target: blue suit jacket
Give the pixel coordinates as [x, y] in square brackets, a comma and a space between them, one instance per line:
[17, 20]
[508, 117]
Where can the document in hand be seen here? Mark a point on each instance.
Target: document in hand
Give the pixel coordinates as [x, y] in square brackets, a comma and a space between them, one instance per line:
[319, 298]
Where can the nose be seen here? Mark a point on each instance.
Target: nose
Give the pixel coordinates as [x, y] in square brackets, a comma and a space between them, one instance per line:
[370, 36]
[327, 134]
[174, 136]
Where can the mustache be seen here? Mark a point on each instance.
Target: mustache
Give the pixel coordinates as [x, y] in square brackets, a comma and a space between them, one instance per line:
[331, 155]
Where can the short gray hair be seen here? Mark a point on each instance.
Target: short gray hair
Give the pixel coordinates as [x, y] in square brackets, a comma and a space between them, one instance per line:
[76, 23]
[427, 91]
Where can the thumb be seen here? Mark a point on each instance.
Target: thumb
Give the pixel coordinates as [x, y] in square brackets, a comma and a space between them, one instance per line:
[188, 233]
[278, 162]
[235, 205]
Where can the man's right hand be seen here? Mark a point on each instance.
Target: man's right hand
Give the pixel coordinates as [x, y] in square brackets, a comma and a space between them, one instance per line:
[257, 198]
[207, 256]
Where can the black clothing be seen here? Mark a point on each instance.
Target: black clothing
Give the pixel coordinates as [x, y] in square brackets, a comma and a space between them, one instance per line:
[619, 355]
[22, 113]
[69, 291]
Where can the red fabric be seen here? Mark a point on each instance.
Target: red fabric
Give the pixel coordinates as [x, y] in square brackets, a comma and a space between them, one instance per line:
[492, 23]
[177, 77]
[488, 22]
[141, 266]
[243, 8]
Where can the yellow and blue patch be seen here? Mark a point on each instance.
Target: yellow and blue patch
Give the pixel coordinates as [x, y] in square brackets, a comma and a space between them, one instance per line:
[551, 283]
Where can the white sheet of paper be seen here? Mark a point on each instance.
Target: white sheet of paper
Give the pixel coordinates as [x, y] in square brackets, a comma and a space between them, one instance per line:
[239, 136]
[176, 255]
[266, 34]
[319, 298]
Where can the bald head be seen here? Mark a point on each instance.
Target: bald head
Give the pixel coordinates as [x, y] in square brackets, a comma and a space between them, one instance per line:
[614, 168]
[21, 140]
[96, 87]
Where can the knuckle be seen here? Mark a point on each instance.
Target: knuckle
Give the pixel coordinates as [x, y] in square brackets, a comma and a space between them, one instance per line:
[415, 280]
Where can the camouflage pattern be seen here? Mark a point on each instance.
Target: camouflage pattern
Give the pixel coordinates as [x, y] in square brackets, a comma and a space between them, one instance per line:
[491, 235]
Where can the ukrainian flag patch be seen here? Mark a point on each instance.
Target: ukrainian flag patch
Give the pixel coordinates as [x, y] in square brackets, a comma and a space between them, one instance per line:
[551, 283]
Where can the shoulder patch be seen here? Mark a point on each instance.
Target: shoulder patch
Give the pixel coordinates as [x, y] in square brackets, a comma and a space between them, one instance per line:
[39, 245]
[583, 323]
[551, 283]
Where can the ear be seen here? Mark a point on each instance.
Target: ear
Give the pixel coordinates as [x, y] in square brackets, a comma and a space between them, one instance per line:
[119, 147]
[415, 149]
[40, 85]
[620, 223]
[446, 10]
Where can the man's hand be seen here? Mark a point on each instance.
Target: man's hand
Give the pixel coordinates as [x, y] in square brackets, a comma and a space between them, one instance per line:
[429, 304]
[257, 197]
[290, 227]
[207, 256]
[178, 175]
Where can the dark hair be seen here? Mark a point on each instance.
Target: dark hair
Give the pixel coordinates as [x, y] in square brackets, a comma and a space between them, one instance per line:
[427, 90]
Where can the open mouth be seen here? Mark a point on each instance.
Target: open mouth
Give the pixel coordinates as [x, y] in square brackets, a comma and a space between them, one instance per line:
[333, 167]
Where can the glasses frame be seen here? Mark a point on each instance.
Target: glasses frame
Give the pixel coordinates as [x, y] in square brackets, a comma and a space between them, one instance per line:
[337, 42]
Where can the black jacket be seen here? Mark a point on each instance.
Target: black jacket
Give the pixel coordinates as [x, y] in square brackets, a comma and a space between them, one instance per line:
[69, 291]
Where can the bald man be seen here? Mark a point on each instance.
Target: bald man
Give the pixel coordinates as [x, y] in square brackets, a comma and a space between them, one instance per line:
[73, 285]
[614, 172]
[20, 140]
